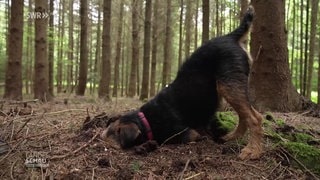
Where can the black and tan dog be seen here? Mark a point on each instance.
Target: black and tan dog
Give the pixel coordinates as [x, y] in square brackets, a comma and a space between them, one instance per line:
[219, 67]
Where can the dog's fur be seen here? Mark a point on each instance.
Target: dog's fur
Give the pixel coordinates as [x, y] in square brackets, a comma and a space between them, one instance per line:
[220, 67]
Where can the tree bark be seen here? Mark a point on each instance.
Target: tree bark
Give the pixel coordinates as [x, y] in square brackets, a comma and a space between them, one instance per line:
[60, 46]
[70, 49]
[105, 78]
[270, 80]
[188, 25]
[83, 69]
[312, 44]
[135, 49]
[205, 20]
[154, 41]
[167, 48]
[41, 77]
[51, 49]
[118, 53]
[146, 52]
[306, 47]
[13, 82]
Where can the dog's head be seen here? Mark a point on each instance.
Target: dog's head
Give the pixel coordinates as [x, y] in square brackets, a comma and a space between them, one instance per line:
[126, 131]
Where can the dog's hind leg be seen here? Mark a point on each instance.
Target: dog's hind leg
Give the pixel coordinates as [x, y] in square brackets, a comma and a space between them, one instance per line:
[236, 96]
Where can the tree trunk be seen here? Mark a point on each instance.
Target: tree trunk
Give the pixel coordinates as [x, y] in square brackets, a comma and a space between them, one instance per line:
[41, 79]
[146, 52]
[135, 49]
[167, 47]
[301, 47]
[83, 69]
[70, 49]
[244, 6]
[305, 68]
[205, 20]
[271, 86]
[29, 53]
[196, 25]
[188, 26]
[154, 41]
[218, 22]
[13, 83]
[104, 85]
[318, 72]
[312, 44]
[51, 49]
[60, 46]
[118, 53]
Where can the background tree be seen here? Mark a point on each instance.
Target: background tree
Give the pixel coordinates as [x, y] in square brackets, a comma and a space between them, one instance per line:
[104, 86]
[41, 76]
[155, 34]
[271, 86]
[83, 69]
[118, 52]
[135, 49]
[167, 47]
[51, 49]
[13, 83]
[146, 52]
[205, 20]
[312, 44]
[70, 49]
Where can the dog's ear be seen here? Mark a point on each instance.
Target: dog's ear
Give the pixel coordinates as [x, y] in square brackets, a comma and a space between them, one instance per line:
[128, 134]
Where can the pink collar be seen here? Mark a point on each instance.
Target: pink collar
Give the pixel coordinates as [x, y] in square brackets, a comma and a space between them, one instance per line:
[146, 125]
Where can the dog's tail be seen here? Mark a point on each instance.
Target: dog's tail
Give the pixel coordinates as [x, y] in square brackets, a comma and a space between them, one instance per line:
[245, 25]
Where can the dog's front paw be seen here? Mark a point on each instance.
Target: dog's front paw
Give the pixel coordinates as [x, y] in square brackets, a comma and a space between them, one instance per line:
[250, 153]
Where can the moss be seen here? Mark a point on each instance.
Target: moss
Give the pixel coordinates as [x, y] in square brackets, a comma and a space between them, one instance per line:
[280, 122]
[302, 137]
[135, 166]
[227, 120]
[306, 154]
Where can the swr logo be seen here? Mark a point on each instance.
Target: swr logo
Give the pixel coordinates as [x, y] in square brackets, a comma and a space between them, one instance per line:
[37, 15]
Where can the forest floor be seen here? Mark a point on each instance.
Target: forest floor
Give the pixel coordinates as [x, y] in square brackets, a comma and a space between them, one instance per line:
[49, 134]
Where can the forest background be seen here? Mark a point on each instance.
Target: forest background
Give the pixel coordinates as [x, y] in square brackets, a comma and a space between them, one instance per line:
[135, 47]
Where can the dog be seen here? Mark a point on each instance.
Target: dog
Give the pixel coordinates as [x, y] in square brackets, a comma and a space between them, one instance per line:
[220, 67]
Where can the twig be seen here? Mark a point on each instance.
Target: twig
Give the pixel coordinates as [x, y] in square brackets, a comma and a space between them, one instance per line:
[173, 136]
[273, 170]
[75, 151]
[184, 169]
[63, 111]
[258, 54]
[11, 169]
[300, 163]
[13, 148]
[27, 121]
[246, 164]
[93, 173]
[193, 176]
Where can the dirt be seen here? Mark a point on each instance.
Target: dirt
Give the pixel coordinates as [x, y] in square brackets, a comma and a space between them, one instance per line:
[51, 132]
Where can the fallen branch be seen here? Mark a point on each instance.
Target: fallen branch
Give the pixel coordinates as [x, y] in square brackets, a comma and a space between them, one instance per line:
[75, 151]
[27, 121]
[173, 136]
[246, 164]
[299, 163]
[184, 169]
[193, 176]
